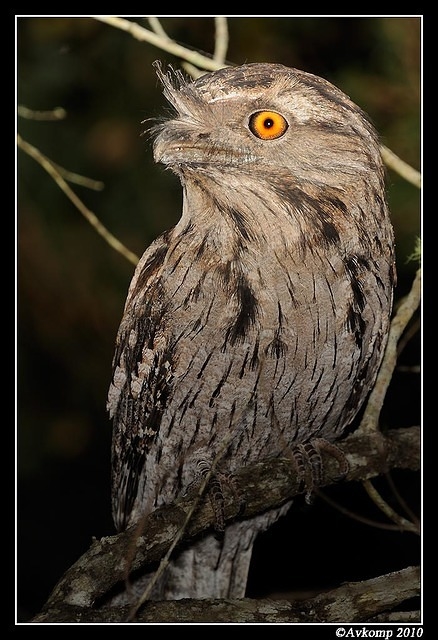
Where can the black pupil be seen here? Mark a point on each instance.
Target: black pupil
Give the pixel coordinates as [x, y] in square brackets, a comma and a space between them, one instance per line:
[268, 123]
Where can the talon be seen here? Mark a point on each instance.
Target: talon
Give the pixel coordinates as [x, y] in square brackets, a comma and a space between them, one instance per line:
[310, 467]
[335, 452]
[315, 461]
[216, 495]
[299, 459]
[215, 492]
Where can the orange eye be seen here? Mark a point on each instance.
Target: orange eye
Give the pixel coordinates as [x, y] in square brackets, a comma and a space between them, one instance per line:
[267, 125]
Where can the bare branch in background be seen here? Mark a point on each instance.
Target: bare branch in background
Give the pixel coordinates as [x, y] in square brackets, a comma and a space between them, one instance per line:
[58, 113]
[404, 313]
[401, 167]
[221, 40]
[165, 43]
[52, 170]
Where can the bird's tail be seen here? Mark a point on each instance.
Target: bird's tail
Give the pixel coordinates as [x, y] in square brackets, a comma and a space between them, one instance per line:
[216, 568]
[209, 568]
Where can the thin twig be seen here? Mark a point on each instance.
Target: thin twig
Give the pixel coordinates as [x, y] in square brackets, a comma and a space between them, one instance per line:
[405, 311]
[402, 502]
[407, 337]
[355, 516]
[157, 27]
[76, 178]
[51, 169]
[403, 524]
[221, 39]
[58, 113]
[165, 43]
[400, 166]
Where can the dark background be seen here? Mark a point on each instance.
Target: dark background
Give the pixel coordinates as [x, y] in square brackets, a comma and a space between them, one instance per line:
[71, 285]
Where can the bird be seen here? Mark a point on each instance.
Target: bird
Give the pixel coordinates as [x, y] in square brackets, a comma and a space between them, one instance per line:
[255, 326]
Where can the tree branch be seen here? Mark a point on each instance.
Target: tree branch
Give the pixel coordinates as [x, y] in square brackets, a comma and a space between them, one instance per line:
[406, 309]
[262, 486]
[54, 172]
[165, 43]
[352, 602]
[400, 166]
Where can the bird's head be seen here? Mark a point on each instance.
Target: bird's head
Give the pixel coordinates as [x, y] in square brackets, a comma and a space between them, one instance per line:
[270, 147]
[266, 121]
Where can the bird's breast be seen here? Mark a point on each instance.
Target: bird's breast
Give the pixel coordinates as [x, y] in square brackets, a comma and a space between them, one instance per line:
[262, 360]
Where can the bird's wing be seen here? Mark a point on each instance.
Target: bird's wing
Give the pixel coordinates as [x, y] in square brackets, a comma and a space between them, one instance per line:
[141, 379]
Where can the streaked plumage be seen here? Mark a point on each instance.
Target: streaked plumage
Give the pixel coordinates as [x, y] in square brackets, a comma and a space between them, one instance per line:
[259, 321]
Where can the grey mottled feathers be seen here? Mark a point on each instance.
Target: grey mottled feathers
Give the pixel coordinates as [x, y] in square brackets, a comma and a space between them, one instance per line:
[259, 321]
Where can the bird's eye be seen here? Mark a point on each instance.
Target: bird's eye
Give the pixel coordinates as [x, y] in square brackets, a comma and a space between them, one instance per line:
[267, 125]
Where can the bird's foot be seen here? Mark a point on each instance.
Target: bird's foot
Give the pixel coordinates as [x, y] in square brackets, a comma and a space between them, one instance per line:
[310, 466]
[216, 494]
[216, 483]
